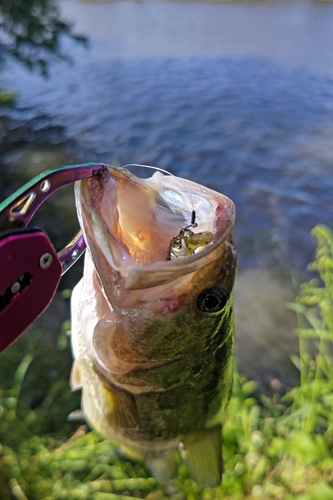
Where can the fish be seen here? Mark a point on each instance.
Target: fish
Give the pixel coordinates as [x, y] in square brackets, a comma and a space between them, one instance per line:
[152, 321]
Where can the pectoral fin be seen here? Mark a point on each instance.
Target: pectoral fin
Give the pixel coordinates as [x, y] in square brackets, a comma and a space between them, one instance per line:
[75, 378]
[202, 455]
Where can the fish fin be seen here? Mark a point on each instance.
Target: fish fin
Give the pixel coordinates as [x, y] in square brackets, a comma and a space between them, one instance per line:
[75, 378]
[76, 415]
[201, 452]
[164, 466]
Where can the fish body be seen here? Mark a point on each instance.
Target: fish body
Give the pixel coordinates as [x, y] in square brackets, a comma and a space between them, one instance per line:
[153, 336]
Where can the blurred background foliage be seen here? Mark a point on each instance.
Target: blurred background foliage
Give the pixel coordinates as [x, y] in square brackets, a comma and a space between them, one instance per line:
[31, 32]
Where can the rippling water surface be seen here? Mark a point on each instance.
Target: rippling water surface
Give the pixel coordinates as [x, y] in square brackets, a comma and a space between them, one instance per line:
[237, 97]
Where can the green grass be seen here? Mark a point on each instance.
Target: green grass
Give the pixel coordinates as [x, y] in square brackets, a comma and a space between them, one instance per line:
[277, 447]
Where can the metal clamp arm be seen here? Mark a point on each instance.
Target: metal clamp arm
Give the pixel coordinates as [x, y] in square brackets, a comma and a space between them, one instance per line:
[17, 210]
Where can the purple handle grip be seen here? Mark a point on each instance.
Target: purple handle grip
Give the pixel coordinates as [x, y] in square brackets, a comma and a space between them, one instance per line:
[30, 274]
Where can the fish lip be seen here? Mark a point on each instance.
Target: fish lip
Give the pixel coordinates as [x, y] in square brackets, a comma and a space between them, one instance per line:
[137, 277]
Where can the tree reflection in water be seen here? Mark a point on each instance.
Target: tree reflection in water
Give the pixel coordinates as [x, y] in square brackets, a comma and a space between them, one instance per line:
[31, 32]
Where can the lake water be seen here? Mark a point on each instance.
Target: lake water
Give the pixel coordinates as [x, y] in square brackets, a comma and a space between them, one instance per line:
[235, 96]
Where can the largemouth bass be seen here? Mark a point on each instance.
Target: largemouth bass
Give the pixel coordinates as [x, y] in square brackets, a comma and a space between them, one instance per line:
[152, 318]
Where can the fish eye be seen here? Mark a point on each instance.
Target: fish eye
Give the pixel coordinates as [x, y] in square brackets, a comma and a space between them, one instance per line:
[212, 300]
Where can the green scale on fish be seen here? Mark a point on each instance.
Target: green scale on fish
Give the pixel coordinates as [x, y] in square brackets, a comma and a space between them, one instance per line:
[152, 318]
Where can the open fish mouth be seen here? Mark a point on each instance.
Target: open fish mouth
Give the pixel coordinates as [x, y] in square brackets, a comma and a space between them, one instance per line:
[129, 224]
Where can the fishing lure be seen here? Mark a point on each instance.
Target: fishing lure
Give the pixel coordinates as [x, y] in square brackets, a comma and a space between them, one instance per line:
[187, 242]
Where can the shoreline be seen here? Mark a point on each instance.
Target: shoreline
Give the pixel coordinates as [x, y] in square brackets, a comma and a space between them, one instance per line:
[207, 2]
